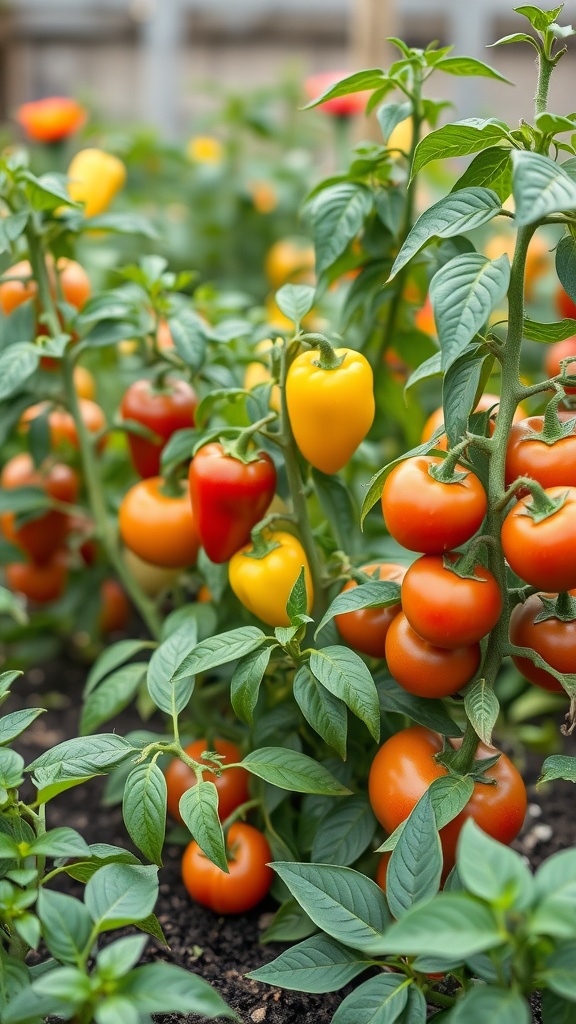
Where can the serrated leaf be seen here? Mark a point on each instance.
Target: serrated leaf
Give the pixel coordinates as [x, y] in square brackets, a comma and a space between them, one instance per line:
[464, 292]
[344, 833]
[220, 650]
[345, 675]
[461, 138]
[322, 710]
[199, 810]
[246, 680]
[540, 187]
[338, 214]
[111, 697]
[456, 213]
[289, 769]
[168, 693]
[119, 894]
[17, 363]
[295, 300]
[319, 964]
[144, 809]
[415, 867]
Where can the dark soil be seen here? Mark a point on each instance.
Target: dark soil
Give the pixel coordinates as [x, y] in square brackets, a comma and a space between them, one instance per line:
[224, 949]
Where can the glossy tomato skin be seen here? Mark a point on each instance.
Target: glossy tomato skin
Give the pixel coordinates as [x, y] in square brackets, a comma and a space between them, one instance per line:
[404, 768]
[448, 610]
[40, 537]
[228, 498]
[39, 583]
[14, 293]
[429, 515]
[248, 881]
[365, 630]
[63, 431]
[543, 553]
[115, 610]
[426, 670]
[552, 465]
[231, 786]
[553, 639]
[163, 411]
[160, 529]
[561, 350]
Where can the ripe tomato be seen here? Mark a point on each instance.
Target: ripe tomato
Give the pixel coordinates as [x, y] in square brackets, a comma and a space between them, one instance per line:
[565, 305]
[403, 769]
[39, 583]
[84, 383]
[553, 639]
[163, 410]
[449, 610]
[115, 610]
[73, 283]
[550, 464]
[366, 629]
[486, 402]
[40, 537]
[231, 786]
[62, 426]
[382, 869]
[248, 881]
[430, 515]
[561, 350]
[543, 553]
[14, 293]
[423, 669]
[158, 528]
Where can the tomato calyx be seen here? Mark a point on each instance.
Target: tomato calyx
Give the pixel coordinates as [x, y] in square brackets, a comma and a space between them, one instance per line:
[562, 607]
[553, 429]
[465, 565]
[448, 471]
[543, 506]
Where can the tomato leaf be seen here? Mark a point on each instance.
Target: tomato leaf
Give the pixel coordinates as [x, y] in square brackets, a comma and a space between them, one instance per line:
[289, 924]
[322, 710]
[111, 696]
[84, 755]
[338, 214]
[492, 871]
[344, 833]
[66, 924]
[498, 1005]
[380, 999]
[339, 508]
[448, 794]
[17, 363]
[119, 894]
[555, 910]
[14, 724]
[168, 693]
[540, 187]
[558, 974]
[460, 388]
[219, 650]
[466, 66]
[144, 809]
[344, 674]
[461, 138]
[426, 711]
[415, 867]
[558, 766]
[453, 924]
[162, 987]
[245, 683]
[482, 708]
[111, 658]
[288, 769]
[549, 332]
[378, 594]
[199, 809]
[344, 903]
[319, 964]
[464, 292]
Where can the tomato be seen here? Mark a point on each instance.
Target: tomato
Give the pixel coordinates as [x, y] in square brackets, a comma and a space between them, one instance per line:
[486, 402]
[263, 584]
[94, 179]
[39, 583]
[164, 411]
[231, 786]
[229, 496]
[152, 579]
[51, 119]
[426, 514]
[40, 537]
[366, 629]
[164, 337]
[425, 322]
[565, 305]
[157, 527]
[527, 455]
[538, 257]
[115, 610]
[74, 284]
[249, 877]
[553, 639]
[423, 669]
[204, 595]
[404, 768]
[62, 426]
[449, 610]
[543, 552]
[339, 106]
[561, 350]
[290, 259]
[14, 293]
[330, 410]
[382, 869]
[84, 383]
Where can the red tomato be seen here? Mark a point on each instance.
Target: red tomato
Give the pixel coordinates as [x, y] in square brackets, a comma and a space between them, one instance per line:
[42, 536]
[429, 515]
[39, 583]
[231, 786]
[115, 610]
[404, 768]
[543, 552]
[449, 610]
[527, 455]
[157, 527]
[62, 426]
[366, 629]
[561, 350]
[73, 283]
[423, 669]
[553, 639]
[248, 881]
[163, 411]
[566, 306]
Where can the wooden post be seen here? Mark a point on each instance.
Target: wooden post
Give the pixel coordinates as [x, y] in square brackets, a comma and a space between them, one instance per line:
[372, 21]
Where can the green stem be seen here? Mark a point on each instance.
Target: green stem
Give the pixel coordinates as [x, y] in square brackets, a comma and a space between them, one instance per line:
[545, 69]
[465, 756]
[40, 273]
[104, 531]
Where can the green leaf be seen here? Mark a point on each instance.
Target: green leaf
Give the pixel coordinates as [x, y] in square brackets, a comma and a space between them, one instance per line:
[377, 594]
[120, 956]
[452, 924]
[415, 867]
[60, 842]
[199, 809]
[66, 924]
[566, 265]
[539, 19]
[540, 187]
[76, 760]
[111, 658]
[415, 1011]
[490, 1003]
[322, 710]
[555, 881]
[11, 604]
[461, 385]
[549, 332]
[461, 138]
[358, 82]
[555, 1010]
[27, 926]
[245, 683]
[297, 604]
[458, 212]
[380, 1000]
[319, 964]
[559, 972]
[464, 292]
[493, 871]
[344, 903]
[345, 675]
[11, 768]
[338, 214]
[11, 228]
[161, 987]
[431, 367]
[558, 766]
[491, 168]
[48, 191]
[344, 833]
[553, 124]
[482, 708]
[515, 37]
[466, 66]
[295, 300]
[144, 809]
[289, 924]
[14, 724]
[116, 1010]
[111, 696]
[390, 115]
[23, 499]
[119, 894]
[423, 710]
[9, 849]
[288, 769]
[171, 694]
[219, 650]
[121, 224]
[448, 794]
[17, 363]
[338, 507]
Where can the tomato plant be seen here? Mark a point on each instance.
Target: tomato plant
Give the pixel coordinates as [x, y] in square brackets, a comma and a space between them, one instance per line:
[448, 609]
[424, 669]
[42, 536]
[231, 786]
[553, 638]
[366, 629]
[247, 880]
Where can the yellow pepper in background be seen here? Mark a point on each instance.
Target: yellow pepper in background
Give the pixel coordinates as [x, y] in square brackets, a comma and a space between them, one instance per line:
[95, 178]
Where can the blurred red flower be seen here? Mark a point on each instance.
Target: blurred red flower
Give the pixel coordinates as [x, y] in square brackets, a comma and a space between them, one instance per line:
[51, 119]
[339, 106]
